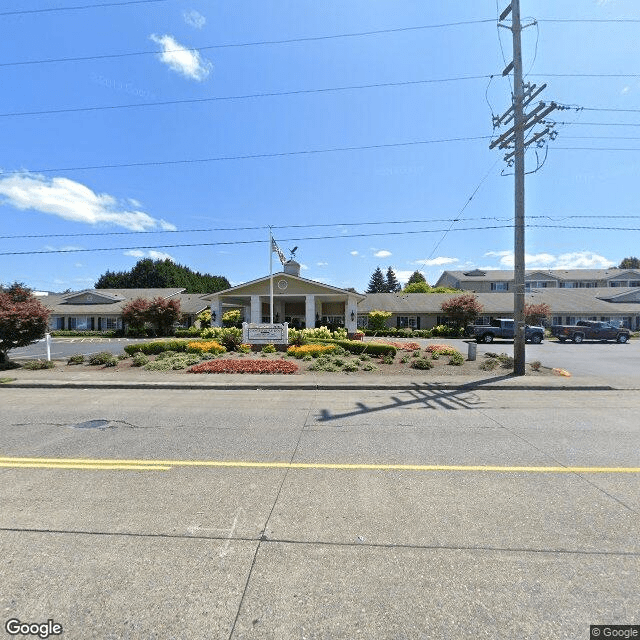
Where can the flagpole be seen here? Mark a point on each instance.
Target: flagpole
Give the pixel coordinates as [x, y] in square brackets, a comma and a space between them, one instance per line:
[271, 274]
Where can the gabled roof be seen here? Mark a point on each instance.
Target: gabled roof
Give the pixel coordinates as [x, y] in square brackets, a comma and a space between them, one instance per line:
[506, 275]
[279, 276]
[91, 296]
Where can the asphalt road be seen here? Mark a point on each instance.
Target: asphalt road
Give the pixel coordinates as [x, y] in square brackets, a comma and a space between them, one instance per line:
[271, 515]
[582, 360]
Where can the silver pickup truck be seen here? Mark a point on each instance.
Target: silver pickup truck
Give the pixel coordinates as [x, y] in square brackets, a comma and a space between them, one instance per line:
[503, 328]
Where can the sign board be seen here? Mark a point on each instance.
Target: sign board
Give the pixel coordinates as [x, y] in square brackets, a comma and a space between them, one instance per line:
[265, 333]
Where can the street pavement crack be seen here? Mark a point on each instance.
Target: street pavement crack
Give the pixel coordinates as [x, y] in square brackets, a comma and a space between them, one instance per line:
[263, 536]
[561, 464]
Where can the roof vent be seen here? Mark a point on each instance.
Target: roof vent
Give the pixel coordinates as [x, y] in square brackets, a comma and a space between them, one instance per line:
[292, 268]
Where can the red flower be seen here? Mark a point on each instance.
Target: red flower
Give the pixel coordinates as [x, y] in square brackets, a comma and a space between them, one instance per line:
[245, 366]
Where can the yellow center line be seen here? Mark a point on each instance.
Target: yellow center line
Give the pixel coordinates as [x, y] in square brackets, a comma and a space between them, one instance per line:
[165, 465]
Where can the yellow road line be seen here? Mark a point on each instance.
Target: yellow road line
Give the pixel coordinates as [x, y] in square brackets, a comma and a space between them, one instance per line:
[68, 465]
[164, 465]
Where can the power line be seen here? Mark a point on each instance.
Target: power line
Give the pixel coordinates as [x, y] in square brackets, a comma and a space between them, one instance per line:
[300, 239]
[585, 75]
[234, 45]
[597, 148]
[77, 7]
[269, 94]
[316, 225]
[597, 20]
[282, 154]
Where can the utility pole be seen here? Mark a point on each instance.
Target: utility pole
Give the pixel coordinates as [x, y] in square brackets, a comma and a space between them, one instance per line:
[518, 239]
[515, 138]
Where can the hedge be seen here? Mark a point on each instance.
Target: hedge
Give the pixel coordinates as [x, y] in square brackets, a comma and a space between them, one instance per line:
[157, 347]
[357, 346]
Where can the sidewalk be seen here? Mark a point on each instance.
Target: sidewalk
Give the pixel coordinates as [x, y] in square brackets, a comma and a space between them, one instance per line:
[102, 379]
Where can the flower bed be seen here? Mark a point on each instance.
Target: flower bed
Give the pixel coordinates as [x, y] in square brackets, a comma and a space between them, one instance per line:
[245, 366]
[442, 349]
[402, 346]
[313, 350]
[205, 346]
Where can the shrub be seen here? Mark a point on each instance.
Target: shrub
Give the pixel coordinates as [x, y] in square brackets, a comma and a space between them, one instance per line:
[422, 363]
[230, 338]
[506, 362]
[231, 318]
[153, 348]
[405, 359]
[205, 346]
[351, 366]
[72, 333]
[313, 350]
[307, 358]
[462, 309]
[435, 355]
[368, 366]
[33, 365]
[535, 365]
[388, 359]
[489, 365]
[268, 348]
[166, 354]
[402, 346]
[139, 359]
[244, 348]
[104, 357]
[364, 357]
[456, 359]
[158, 365]
[372, 348]
[77, 358]
[378, 319]
[245, 366]
[442, 349]
[191, 332]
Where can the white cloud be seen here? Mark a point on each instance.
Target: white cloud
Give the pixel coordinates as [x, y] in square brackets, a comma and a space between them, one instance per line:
[434, 262]
[322, 264]
[625, 89]
[68, 247]
[574, 260]
[78, 265]
[72, 201]
[194, 19]
[304, 267]
[187, 62]
[383, 253]
[154, 255]
[403, 276]
[354, 253]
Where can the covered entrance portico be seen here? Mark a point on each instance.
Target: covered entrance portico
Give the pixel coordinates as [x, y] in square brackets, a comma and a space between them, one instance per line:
[300, 302]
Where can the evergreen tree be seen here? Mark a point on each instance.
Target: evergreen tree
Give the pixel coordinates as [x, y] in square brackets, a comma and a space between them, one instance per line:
[630, 263]
[377, 284]
[416, 276]
[392, 282]
[161, 274]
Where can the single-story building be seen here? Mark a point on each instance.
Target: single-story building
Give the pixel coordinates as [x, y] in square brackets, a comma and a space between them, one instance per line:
[300, 302]
[422, 310]
[101, 309]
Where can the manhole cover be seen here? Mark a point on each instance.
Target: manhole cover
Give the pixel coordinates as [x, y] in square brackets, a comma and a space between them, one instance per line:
[92, 424]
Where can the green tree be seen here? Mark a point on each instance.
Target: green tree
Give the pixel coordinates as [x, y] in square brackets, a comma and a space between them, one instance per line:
[377, 284]
[23, 319]
[630, 263]
[378, 319]
[417, 287]
[415, 277]
[393, 285]
[159, 312]
[462, 309]
[148, 273]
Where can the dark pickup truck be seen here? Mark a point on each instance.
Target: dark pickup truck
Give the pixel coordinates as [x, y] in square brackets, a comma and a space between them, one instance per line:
[590, 330]
[503, 328]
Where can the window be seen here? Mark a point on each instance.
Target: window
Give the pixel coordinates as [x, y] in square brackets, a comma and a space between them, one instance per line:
[634, 283]
[57, 323]
[403, 322]
[537, 284]
[618, 283]
[568, 285]
[557, 320]
[363, 321]
[110, 323]
[499, 286]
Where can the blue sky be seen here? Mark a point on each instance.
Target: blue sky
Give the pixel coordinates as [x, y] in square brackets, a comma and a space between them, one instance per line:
[45, 191]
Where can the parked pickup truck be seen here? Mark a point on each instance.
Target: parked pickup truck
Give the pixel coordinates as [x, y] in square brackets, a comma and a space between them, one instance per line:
[503, 328]
[590, 330]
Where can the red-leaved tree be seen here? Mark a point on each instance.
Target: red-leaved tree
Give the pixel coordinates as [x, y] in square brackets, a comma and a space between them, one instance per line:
[23, 319]
[160, 313]
[536, 314]
[463, 309]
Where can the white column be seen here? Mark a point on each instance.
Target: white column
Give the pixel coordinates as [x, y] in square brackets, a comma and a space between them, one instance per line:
[256, 310]
[216, 312]
[351, 308]
[310, 311]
